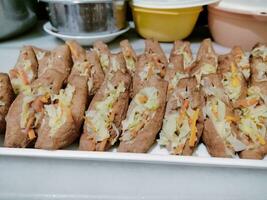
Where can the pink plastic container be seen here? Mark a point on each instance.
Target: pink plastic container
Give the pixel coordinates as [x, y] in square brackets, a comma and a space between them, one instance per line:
[230, 27]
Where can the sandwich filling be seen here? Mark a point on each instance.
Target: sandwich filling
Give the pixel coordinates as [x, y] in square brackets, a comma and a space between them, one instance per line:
[261, 67]
[179, 126]
[59, 109]
[145, 104]
[22, 76]
[84, 69]
[254, 118]
[103, 59]
[242, 62]
[174, 81]
[205, 69]
[130, 60]
[215, 109]
[149, 70]
[100, 120]
[187, 57]
[232, 83]
[32, 108]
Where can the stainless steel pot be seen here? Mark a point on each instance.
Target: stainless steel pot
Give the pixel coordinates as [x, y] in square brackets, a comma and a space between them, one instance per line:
[80, 17]
[16, 16]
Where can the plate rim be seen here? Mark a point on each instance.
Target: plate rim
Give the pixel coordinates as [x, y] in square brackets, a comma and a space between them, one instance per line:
[48, 30]
[193, 161]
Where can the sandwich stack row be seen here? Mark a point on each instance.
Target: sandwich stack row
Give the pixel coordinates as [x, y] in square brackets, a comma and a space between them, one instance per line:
[50, 99]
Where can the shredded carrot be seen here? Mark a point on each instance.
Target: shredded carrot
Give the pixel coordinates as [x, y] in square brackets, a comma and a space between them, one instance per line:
[193, 135]
[233, 68]
[235, 78]
[142, 99]
[23, 76]
[14, 73]
[180, 118]
[248, 102]
[30, 122]
[178, 150]
[186, 104]
[150, 71]
[44, 98]
[232, 118]
[261, 139]
[31, 134]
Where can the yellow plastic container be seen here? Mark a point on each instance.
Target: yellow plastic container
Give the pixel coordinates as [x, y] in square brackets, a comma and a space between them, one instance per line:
[165, 25]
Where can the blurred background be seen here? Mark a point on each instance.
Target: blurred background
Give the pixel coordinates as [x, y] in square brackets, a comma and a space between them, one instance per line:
[227, 22]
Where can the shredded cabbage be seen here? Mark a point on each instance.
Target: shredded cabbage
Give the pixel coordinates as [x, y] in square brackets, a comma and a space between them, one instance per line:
[26, 65]
[130, 63]
[151, 94]
[187, 58]
[145, 73]
[253, 120]
[65, 96]
[99, 120]
[40, 55]
[205, 69]
[261, 67]
[146, 101]
[104, 61]
[103, 58]
[243, 63]
[19, 83]
[232, 90]
[82, 68]
[177, 77]
[254, 92]
[2, 103]
[216, 111]
[262, 71]
[213, 91]
[173, 135]
[114, 64]
[57, 113]
[260, 51]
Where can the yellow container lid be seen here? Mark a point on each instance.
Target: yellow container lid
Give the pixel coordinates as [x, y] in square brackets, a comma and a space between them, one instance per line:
[171, 4]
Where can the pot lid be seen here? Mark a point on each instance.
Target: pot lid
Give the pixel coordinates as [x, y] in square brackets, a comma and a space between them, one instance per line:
[169, 4]
[255, 7]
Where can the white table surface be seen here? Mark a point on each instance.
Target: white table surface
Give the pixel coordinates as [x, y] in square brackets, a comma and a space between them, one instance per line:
[26, 177]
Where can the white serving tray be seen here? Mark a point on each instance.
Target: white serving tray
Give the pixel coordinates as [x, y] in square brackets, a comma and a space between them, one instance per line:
[70, 174]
